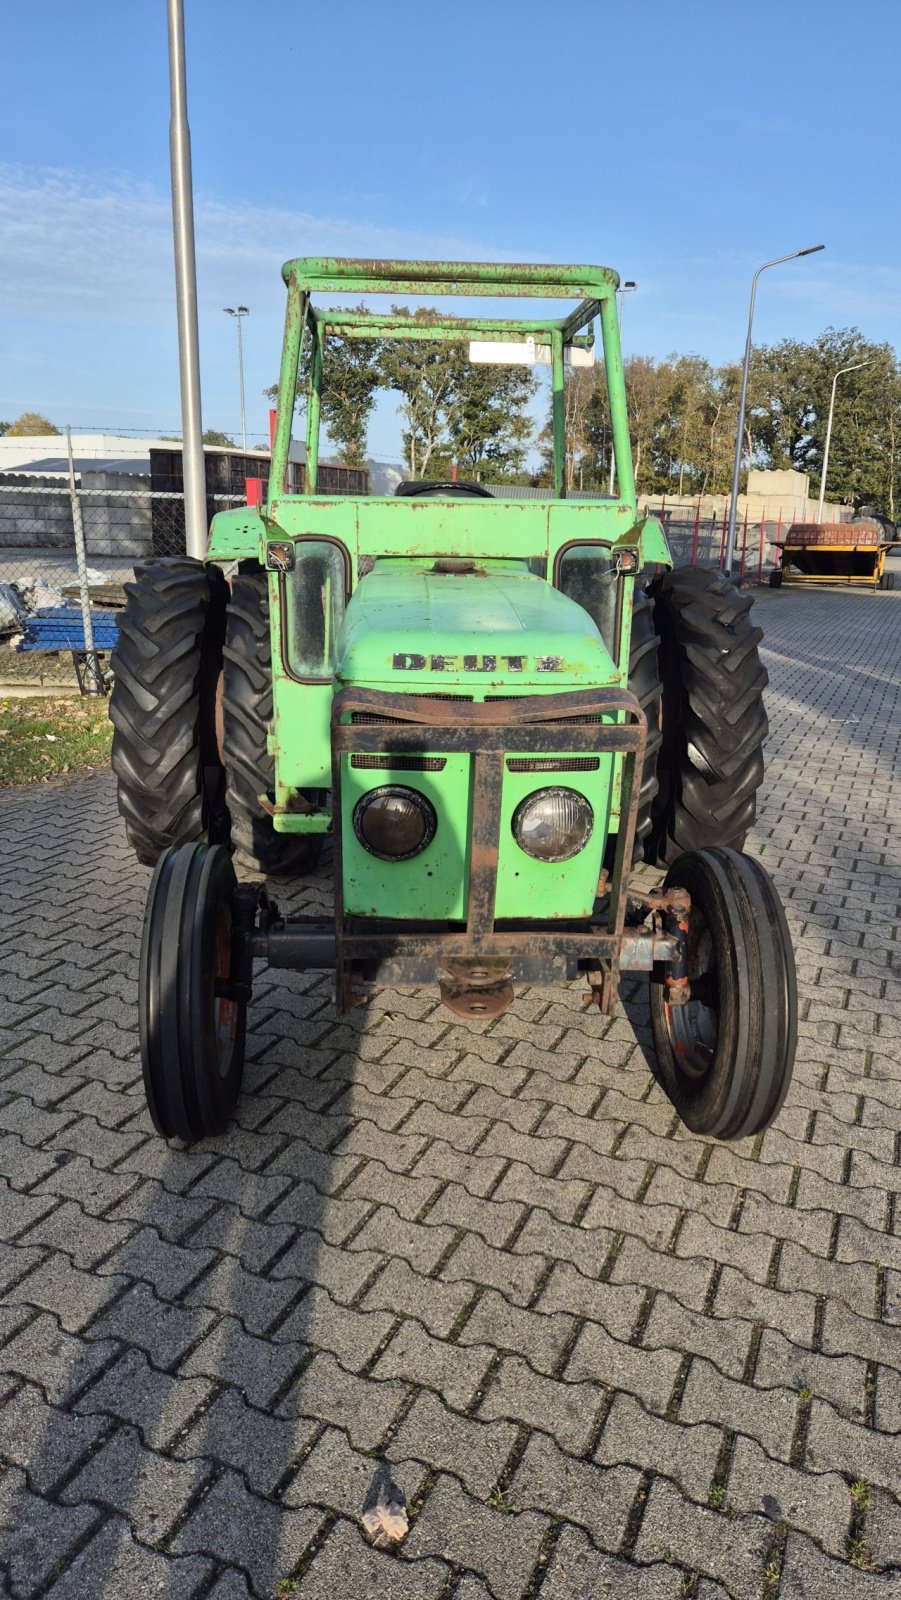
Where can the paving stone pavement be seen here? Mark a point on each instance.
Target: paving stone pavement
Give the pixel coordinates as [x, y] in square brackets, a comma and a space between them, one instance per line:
[600, 1356]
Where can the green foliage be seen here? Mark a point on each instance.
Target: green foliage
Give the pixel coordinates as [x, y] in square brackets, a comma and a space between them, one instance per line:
[30, 423]
[424, 373]
[450, 409]
[351, 378]
[213, 436]
[683, 413]
[488, 422]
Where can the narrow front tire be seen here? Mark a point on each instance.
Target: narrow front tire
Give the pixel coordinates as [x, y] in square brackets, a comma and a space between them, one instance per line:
[725, 1057]
[192, 1032]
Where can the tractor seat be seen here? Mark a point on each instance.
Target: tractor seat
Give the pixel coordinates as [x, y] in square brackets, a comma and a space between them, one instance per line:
[422, 486]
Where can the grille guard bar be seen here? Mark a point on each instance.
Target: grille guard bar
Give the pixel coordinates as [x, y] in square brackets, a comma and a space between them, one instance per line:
[541, 724]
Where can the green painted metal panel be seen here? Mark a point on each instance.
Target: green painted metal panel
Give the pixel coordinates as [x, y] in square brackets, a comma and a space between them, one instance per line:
[653, 545]
[370, 525]
[236, 535]
[302, 741]
[410, 629]
[551, 889]
[435, 884]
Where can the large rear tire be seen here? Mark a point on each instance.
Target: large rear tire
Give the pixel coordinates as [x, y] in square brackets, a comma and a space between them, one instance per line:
[166, 666]
[192, 1034]
[725, 1057]
[710, 763]
[247, 712]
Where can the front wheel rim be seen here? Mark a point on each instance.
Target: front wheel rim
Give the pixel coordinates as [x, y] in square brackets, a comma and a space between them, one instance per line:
[226, 1012]
[693, 1028]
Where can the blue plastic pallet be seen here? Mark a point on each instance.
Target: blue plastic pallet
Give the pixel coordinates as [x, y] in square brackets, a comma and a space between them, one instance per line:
[61, 628]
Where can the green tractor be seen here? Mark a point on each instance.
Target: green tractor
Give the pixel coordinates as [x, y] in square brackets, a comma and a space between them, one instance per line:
[494, 707]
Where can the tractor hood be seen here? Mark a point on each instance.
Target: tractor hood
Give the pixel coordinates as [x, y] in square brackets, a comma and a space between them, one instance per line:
[496, 624]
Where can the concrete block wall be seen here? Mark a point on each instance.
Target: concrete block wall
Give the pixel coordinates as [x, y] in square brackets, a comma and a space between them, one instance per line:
[115, 525]
[32, 518]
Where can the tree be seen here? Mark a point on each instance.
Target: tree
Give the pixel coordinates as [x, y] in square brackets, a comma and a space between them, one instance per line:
[213, 436]
[691, 395]
[793, 387]
[30, 423]
[424, 373]
[351, 377]
[488, 424]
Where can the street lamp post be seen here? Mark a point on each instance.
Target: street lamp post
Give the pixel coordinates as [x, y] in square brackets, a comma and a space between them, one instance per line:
[856, 368]
[242, 311]
[736, 465]
[194, 472]
[629, 284]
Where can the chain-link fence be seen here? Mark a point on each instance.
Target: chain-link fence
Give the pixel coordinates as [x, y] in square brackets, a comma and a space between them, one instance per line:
[64, 560]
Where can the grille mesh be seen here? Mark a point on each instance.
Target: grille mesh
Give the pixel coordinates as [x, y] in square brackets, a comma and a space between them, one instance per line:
[370, 716]
[399, 763]
[553, 763]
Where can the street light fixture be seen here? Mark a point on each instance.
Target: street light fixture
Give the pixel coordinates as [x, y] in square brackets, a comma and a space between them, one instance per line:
[242, 311]
[621, 292]
[736, 465]
[856, 368]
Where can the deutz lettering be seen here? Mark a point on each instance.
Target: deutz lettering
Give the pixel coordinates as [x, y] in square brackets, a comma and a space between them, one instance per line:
[412, 661]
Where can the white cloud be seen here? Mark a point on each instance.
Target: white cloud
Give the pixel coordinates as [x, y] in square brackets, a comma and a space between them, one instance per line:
[77, 248]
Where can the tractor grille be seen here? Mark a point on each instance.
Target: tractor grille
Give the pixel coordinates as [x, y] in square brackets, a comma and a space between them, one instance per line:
[565, 721]
[370, 717]
[553, 763]
[399, 763]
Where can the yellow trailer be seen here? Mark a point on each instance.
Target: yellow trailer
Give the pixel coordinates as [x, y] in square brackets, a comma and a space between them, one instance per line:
[834, 552]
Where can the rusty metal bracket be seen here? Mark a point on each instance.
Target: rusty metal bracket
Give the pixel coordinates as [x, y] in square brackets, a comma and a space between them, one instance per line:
[480, 988]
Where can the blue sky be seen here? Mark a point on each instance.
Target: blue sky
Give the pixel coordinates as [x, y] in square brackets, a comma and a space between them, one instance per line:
[681, 144]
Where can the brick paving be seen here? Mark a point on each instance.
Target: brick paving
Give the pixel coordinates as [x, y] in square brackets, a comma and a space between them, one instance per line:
[598, 1355]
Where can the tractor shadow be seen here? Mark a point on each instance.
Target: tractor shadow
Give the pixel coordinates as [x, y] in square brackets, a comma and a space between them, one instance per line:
[187, 1355]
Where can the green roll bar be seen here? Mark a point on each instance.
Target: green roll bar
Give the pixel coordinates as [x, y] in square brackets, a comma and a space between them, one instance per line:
[594, 287]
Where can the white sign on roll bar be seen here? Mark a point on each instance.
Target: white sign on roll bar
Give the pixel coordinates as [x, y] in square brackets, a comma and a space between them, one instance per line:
[525, 353]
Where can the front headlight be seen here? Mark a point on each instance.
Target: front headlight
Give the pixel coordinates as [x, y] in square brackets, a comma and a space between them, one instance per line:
[394, 822]
[553, 824]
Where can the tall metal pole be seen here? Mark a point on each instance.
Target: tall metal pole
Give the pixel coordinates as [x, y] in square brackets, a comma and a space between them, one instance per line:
[622, 294]
[736, 465]
[241, 383]
[196, 528]
[856, 368]
[242, 311]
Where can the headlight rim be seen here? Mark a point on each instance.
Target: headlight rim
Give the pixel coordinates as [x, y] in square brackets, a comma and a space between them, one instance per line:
[540, 794]
[420, 801]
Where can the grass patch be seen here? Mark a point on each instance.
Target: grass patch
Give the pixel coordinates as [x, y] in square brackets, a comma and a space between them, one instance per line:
[48, 738]
[498, 1500]
[861, 1556]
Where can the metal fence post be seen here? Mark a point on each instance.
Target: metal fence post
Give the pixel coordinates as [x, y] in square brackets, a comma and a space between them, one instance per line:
[93, 677]
[744, 546]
